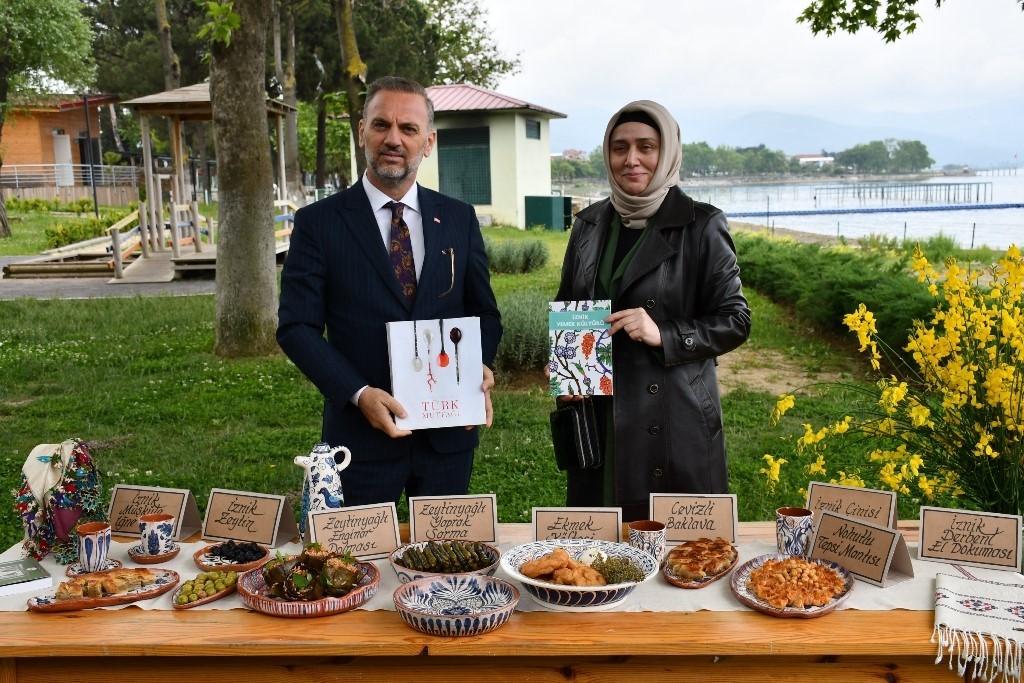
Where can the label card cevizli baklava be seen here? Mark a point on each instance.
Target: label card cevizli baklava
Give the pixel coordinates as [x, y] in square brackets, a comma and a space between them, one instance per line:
[689, 517]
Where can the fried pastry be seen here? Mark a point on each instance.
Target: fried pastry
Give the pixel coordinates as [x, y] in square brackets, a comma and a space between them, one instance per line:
[110, 582]
[795, 582]
[546, 564]
[701, 559]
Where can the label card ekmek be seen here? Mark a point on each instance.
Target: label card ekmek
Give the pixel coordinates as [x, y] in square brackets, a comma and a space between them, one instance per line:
[128, 503]
[979, 539]
[689, 517]
[875, 554]
[453, 518]
[602, 524]
[249, 517]
[369, 532]
[871, 505]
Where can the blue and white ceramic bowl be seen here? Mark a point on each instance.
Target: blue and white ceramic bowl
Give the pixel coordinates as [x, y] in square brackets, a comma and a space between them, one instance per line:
[577, 598]
[407, 574]
[456, 604]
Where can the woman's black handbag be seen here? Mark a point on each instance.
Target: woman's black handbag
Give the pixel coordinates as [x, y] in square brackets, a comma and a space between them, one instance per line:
[574, 433]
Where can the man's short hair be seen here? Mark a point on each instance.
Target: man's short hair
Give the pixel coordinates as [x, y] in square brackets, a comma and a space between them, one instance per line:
[400, 84]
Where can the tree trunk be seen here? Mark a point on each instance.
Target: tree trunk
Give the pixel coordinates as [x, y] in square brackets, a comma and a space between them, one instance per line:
[172, 67]
[321, 140]
[113, 128]
[355, 71]
[5, 227]
[246, 291]
[284, 70]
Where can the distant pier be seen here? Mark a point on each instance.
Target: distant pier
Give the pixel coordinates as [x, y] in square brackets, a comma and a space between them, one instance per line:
[876, 209]
[947, 193]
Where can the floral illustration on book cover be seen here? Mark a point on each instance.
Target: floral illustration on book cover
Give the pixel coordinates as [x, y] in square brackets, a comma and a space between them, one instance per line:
[580, 346]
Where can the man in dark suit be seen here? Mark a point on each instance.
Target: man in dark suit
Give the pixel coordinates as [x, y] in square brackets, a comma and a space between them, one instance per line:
[356, 262]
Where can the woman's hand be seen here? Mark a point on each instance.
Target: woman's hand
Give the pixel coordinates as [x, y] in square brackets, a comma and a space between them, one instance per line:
[637, 324]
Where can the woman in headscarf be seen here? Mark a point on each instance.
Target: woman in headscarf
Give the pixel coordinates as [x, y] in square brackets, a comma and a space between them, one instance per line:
[668, 265]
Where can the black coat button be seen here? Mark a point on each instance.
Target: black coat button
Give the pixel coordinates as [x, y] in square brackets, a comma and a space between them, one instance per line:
[649, 303]
[657, 472]
[655, 430]
[688, 342]
[653, 388]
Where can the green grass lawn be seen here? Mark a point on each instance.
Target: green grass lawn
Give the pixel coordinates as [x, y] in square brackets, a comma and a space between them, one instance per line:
[138, 377]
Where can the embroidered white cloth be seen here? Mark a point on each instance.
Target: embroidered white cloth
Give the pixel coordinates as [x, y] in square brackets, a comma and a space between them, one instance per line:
[981, 622]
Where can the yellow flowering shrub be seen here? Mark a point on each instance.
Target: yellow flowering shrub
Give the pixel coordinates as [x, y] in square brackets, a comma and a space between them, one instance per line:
[950, 424]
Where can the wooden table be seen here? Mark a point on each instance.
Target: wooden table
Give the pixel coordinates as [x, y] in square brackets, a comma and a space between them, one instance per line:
[239, 646]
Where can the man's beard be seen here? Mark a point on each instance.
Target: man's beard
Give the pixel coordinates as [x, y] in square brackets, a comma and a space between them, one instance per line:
[393, 176]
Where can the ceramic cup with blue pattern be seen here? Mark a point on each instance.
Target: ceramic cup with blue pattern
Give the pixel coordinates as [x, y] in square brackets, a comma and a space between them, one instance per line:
[93, 545]
[793, 530]
[648, 535]
[157, 531]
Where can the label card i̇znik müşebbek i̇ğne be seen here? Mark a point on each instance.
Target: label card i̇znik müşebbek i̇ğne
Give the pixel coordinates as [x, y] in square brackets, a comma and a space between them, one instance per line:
[437, 372]
[580, 348]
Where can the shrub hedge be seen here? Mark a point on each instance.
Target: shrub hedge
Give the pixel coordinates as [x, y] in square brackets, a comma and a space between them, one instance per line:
[823, 284]
[515, 256]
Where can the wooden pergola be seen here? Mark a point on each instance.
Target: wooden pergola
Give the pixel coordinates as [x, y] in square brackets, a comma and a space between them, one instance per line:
[191, 103]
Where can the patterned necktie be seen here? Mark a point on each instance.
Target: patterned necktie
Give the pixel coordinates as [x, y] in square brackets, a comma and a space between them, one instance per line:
[401, 252]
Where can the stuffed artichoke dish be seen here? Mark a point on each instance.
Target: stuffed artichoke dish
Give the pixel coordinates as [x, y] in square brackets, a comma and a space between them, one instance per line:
[313, 574]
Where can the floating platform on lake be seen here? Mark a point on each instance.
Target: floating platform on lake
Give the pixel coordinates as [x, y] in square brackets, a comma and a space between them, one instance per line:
[876, 209]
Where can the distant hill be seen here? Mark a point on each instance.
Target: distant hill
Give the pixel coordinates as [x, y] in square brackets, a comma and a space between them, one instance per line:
[795, 134]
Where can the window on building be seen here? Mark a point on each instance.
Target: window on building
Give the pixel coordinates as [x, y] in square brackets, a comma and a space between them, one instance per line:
[532, 129]
[464, 163]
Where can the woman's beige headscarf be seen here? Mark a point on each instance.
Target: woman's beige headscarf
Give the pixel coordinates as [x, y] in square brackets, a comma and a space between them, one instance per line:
[636, 209]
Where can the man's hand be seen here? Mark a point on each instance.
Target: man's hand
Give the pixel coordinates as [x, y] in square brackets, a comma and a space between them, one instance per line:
[487, 386]
[378, 406]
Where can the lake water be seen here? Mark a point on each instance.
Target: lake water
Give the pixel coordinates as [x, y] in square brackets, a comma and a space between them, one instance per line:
[997, 228]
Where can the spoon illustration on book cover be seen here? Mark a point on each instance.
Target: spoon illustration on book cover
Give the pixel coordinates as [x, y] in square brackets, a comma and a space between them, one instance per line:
[442, 358]
[417, 362]
[428, 334]
[456, 337]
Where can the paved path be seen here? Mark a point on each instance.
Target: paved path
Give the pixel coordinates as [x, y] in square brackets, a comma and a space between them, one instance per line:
[93, 287]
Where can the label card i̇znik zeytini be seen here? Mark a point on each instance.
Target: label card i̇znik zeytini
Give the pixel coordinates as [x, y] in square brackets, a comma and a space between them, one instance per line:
[249, 517]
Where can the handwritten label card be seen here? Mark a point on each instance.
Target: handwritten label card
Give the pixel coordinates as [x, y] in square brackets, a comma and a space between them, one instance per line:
[602, 524]
[464, 518]
[979, 539]
[251, 517]
[872, 553]
[128, 503]
[871, 505]
[689, 517]
[369, 532]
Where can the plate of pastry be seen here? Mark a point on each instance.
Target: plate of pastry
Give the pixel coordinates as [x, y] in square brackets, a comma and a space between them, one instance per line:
[790, 586]
[102, 589]
[698, 563]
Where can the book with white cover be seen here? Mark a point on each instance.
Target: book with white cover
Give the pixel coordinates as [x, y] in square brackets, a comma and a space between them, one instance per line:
[23, 576]
[437, 372]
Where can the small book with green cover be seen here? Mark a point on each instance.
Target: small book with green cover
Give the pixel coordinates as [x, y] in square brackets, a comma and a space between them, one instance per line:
[580, 348]
[23, 576]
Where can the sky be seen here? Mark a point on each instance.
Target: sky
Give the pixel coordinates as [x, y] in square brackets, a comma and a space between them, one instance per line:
[960, 75]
